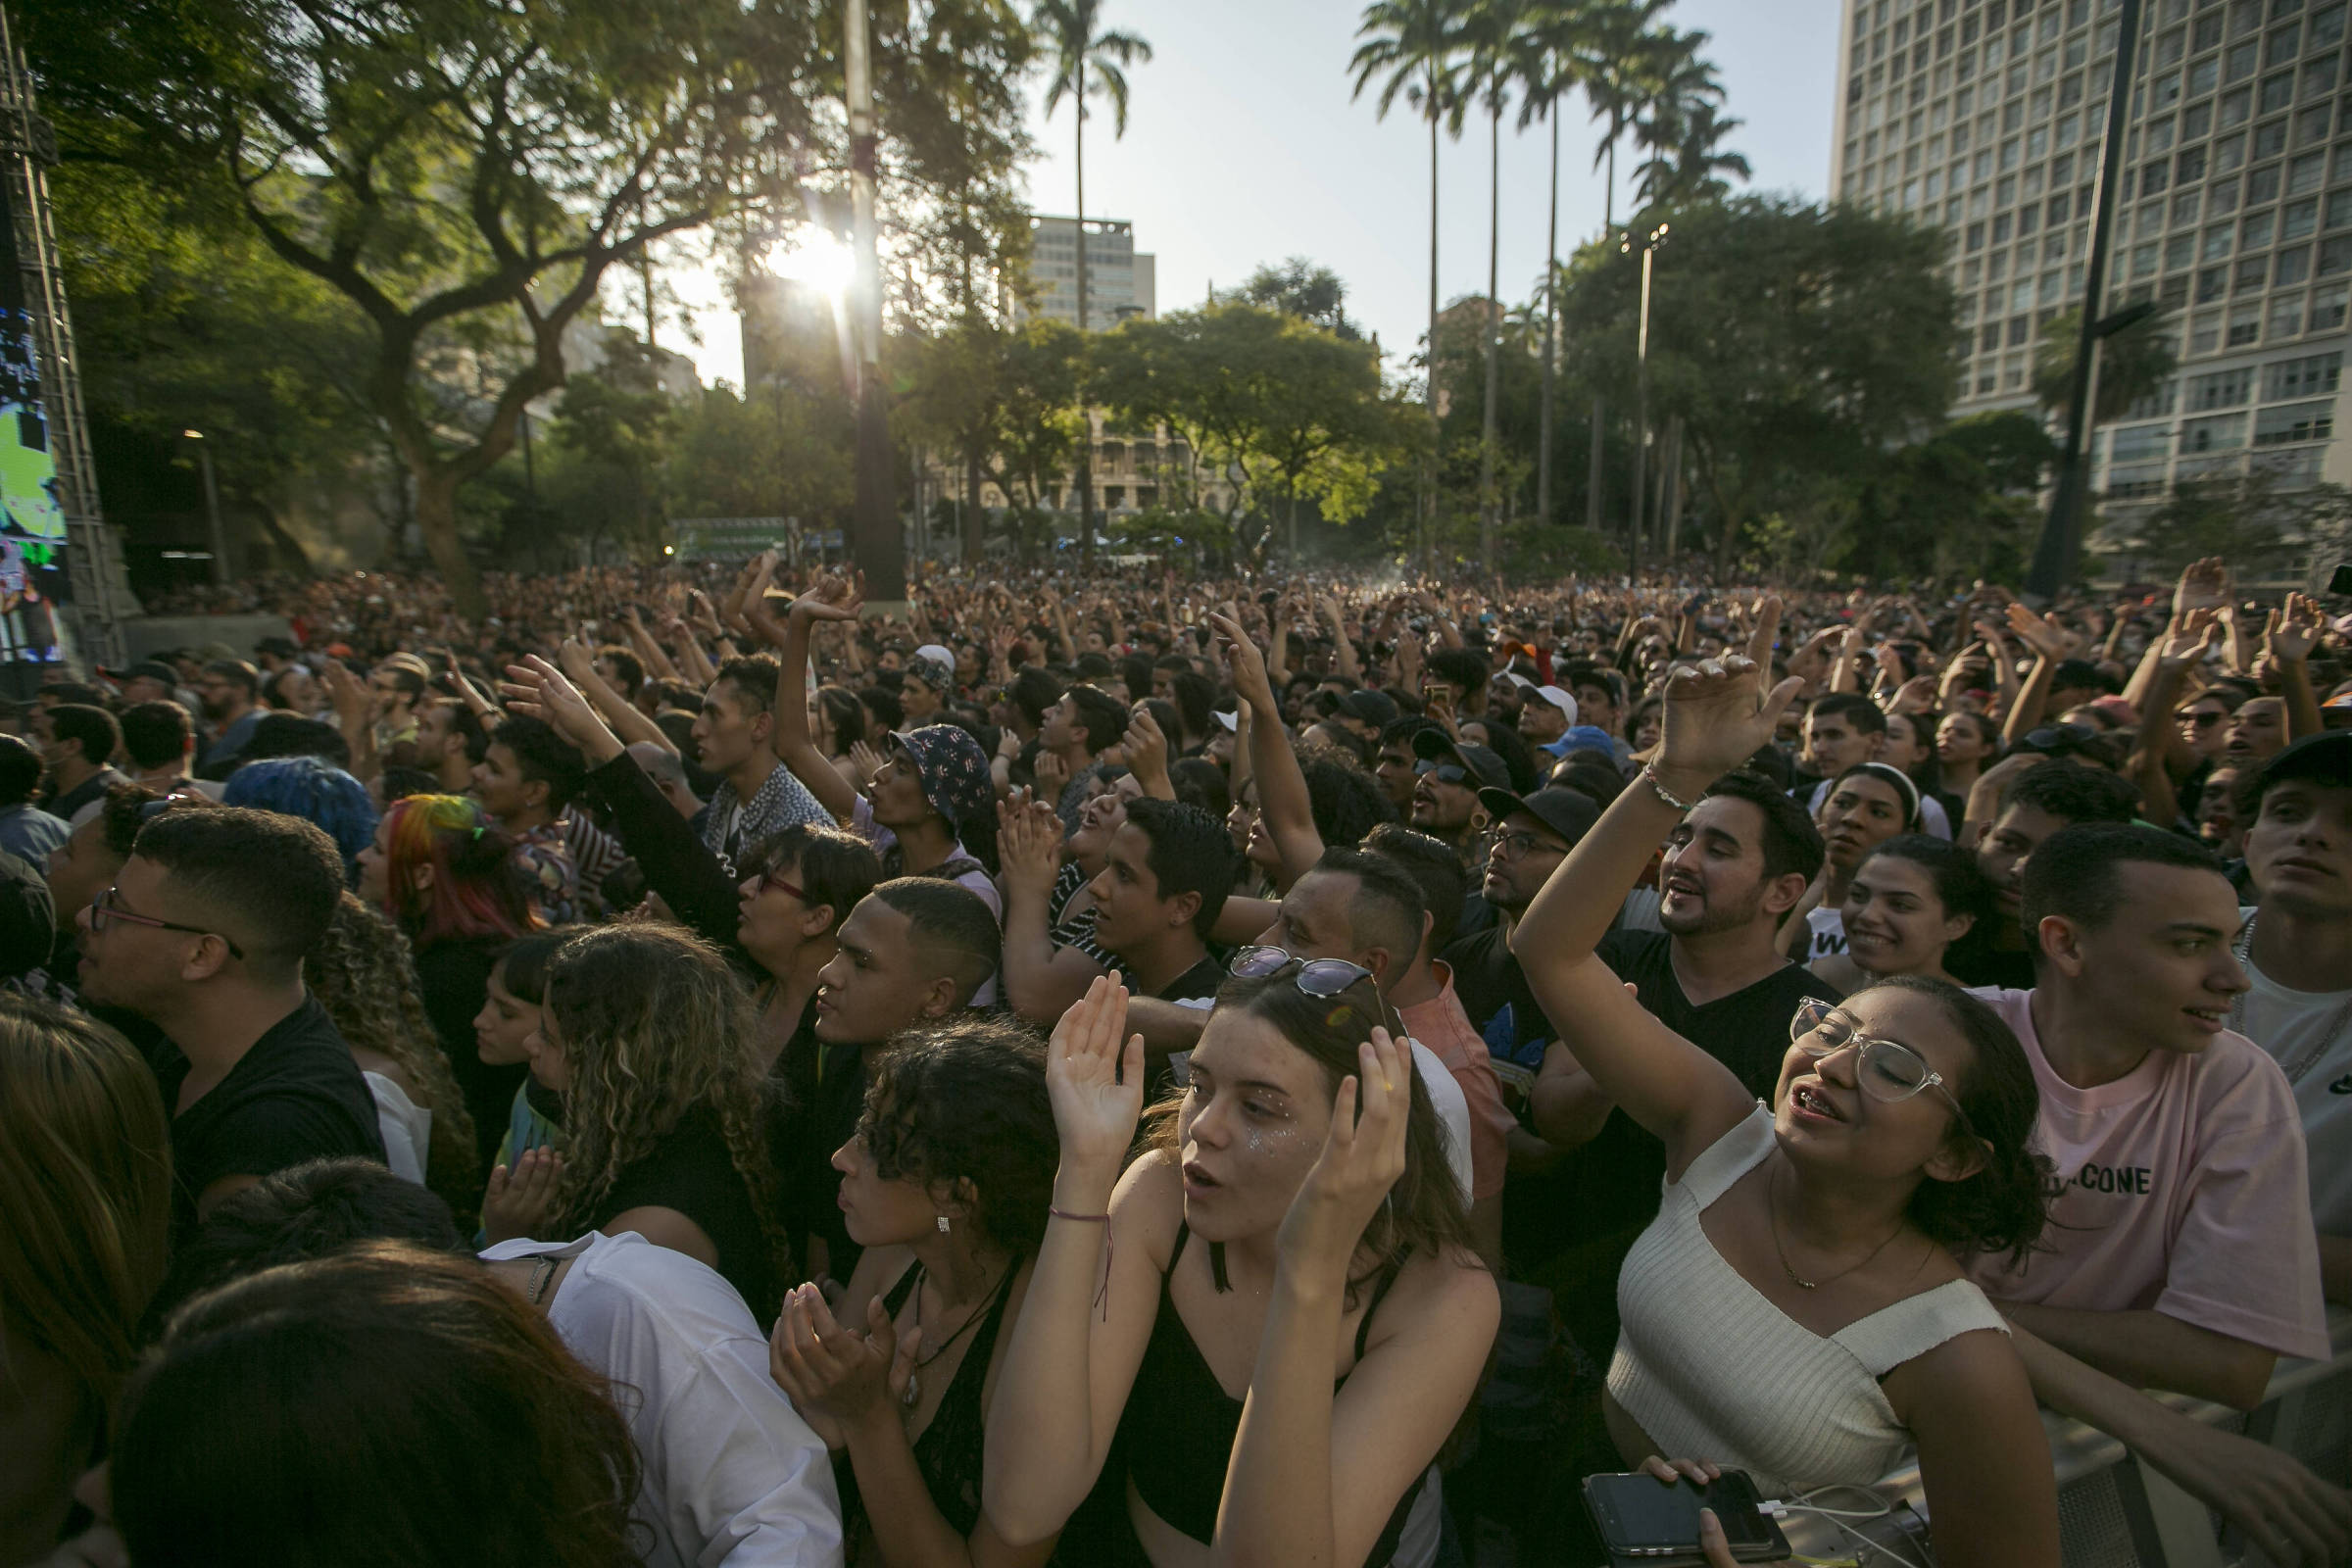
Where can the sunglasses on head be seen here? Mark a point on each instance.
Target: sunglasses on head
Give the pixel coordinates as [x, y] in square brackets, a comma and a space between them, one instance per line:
[1316, 977]
[2059, 740]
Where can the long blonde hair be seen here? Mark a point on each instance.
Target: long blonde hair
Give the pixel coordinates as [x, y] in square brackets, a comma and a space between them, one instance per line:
[653, 1024]
[364, 977]
[85, 1192]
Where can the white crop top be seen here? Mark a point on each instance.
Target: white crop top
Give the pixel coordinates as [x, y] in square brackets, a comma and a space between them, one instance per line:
[1713, 1370]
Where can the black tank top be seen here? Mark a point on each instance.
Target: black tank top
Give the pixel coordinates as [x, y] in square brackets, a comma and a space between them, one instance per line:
[1179, 1426]
[949, 1452]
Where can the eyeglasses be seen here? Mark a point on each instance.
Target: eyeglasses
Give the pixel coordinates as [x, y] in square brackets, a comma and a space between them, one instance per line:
[1522, 843]
[1317, 977]
[1886, 1070]
[2059, 739]
[107, 907]
[770, 879]
[1446, 773]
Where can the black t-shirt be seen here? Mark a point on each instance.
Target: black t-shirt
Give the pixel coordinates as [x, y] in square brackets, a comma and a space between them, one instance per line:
[690, 1169]
[295, 1096]
[452, 979]
[1973, 961]
[1495, 997]
[819, 1090]
[1615, 1178]
[1201, 980]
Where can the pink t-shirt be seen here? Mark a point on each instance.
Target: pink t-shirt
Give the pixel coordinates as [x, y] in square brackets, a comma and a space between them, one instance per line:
[2180, 1189]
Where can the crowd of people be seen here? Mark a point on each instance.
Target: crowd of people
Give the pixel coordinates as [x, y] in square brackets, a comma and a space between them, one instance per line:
[691, 1067]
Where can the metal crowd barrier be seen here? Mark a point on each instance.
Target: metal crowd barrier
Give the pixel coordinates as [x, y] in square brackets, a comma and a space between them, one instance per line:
[2113, 1511]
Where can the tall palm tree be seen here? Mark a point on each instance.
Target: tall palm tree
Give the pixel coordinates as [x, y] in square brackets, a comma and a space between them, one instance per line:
[1067, 30]
[1415, 46]
[1555, 46]
[1492, 27]
[1677, 119]
[1623, 45]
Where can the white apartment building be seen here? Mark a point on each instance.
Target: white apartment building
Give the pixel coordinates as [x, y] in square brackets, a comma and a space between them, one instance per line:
[1121, 282]
[2234, 207]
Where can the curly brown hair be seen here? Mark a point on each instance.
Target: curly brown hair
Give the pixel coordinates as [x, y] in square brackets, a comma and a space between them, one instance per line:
[655, 1024]
[364, 977]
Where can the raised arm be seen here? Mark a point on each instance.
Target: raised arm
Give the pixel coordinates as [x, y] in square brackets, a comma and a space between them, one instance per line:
[2170, 659]
[1282, 799]
[1041, 981]
[2049, 642]
[828, 600]
[1067, 1367]
[1343, 650]
[1717, 716]
[2293, 632]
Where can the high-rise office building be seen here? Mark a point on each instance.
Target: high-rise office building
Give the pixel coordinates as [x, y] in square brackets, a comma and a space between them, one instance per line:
[2233, 208]
[1121, 282]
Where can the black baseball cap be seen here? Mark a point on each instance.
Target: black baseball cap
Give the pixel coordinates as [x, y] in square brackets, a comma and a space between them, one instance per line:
[1372, 708]
[1484, 765]
[1568, 812]
[2323, 758]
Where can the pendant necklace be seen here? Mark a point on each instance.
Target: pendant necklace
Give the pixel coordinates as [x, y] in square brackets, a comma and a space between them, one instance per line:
[1772, 1208]
[915, 1382]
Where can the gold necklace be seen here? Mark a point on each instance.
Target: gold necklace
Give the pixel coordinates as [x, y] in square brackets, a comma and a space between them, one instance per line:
[1772, 1210]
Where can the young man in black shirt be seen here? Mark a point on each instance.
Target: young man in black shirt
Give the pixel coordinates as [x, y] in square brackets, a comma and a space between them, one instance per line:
[1734, 867]
[203, 935]
[914, 950]
[1533, 835]
[1164, 882]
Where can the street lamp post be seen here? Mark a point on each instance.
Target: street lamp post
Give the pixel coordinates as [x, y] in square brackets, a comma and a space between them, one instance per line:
[878, 546]
[1649, 251]
[212, 510]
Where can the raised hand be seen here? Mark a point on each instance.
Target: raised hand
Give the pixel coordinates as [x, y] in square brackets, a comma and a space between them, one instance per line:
[2204, 585]
[1095, 1078]
[2186, 644]
[1146, 748]
[522, 1199]
[1245, 663]
[831, 598]
[1360, 1162]
[2046, 634]
[833, 1372]
[537, 689]
[1029, 844]
[1717, 716]
[1052, 771]
[2295, 630]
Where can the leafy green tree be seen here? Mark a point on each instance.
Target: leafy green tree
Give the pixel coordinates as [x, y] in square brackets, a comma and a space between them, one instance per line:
[465, 172]
[780, 451]
[1076, 44]
[1040, 425]
[1961, 505]
[2134, 362]
[1680, 124]
[2252, 521]
[1795, 343]
[1415, 48]
[1298, 287]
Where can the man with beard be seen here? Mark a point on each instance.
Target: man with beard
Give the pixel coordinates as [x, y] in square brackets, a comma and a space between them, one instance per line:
[229, 691]
[2297, 950]
[1449, 776]
[1737, 863]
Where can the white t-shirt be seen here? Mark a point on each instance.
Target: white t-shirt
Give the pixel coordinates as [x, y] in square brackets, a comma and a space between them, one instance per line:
[2291, 1025]
[732, 1473]
[406, 1128]
[1829, 933]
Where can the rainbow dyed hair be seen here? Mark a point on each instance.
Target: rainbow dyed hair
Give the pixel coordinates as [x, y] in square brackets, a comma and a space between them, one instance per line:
[472, 891]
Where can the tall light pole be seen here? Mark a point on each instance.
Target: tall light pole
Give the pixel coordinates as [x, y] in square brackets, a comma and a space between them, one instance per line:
[876, 545]
[2062, 532]
[212, 510]
[1649, 251]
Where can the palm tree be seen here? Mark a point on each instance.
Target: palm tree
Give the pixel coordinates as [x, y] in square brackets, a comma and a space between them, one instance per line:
[1416, 46]
[1492, 27]
[1623, 44]
[1676, 118]
[1555, 47]
[1066, 30]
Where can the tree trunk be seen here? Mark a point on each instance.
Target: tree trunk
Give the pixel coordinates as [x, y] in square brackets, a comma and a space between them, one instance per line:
[972, 514]
[1490, 423]
[1086, 452]
[1670, 480]
[1428, 521]
[1609, 220]
[438, 520]
[1551, 316]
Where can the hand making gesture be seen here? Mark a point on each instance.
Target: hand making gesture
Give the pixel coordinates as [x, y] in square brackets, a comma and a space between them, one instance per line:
[1362, 1159]
[836, 1377]
[1095, 1078]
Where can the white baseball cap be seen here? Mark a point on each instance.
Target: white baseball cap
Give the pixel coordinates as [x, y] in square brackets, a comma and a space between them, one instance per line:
[1560, 700]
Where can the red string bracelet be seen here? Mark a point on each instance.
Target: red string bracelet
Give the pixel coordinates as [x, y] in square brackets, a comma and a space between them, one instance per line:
[1109, 1242]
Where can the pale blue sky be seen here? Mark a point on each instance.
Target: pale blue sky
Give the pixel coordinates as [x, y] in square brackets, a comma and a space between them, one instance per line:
[1242, 147]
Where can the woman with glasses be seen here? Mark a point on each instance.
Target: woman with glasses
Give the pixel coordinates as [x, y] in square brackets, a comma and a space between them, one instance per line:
[1268, 1246]
[1796, 1310]
[1909, 901]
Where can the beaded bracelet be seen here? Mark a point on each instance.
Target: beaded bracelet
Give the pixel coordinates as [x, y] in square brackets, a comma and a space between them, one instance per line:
[1650, 775]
